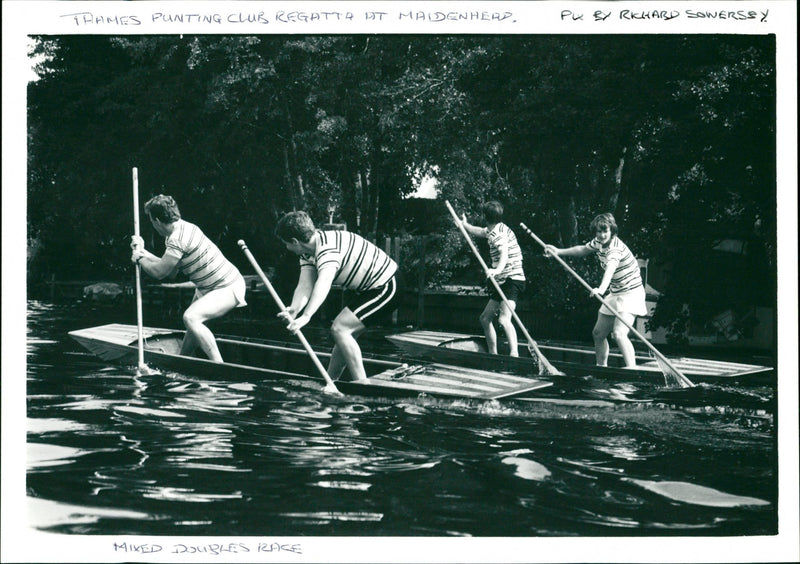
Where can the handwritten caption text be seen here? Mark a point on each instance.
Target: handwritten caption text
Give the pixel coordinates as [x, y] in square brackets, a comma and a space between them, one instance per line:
[206, 549]
[665, 15]
[85, 19]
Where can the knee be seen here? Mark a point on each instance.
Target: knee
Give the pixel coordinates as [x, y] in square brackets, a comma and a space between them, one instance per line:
[339, 331]
[504, 318]
[190, 319]
[598, 334]
[486, 319]
[619, 334]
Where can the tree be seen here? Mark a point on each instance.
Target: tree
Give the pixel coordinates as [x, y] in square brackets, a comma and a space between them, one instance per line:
[673, 134]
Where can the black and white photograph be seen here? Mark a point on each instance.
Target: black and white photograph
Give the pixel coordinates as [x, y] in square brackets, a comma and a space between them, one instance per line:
[400, 282]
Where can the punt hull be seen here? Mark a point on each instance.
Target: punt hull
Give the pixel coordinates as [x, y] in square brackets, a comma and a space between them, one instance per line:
[253, 359]
[573, 360]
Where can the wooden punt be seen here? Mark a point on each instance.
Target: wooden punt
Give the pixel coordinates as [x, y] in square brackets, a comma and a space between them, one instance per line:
[572, 359]
[259, 359]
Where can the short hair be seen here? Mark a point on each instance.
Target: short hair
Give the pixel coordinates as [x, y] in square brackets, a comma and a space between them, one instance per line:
[603, 220]
[162, 208]
[493, 211]
[295, 225]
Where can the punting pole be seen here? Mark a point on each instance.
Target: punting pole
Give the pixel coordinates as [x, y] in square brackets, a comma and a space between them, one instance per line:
[666, 366]
[142, 367]
[544, 364]
[330, 386]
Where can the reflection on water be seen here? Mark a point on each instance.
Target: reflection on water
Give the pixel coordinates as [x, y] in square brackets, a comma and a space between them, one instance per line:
[110, 452]
[49, 515]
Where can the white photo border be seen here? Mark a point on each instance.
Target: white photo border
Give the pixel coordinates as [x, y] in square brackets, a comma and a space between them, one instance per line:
[24, 18]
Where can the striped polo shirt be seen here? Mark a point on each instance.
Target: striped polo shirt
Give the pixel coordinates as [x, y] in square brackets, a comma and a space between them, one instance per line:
[626, 276]
[199, 258]
[501, 236]
[360, 265]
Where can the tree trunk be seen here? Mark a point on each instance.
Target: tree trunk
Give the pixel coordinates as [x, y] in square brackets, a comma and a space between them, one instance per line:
[613, 200]
[288, 174]
[293, 174]
[376, 204]
[365, 199]
[370, 189]
[568, 222]
[301, 191]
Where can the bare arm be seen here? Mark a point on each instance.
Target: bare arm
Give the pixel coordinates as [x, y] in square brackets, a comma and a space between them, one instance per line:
[322, 288]
[576, 251]
[501, 262]
[157, 267]
[473, 230]
[308, 276]
[611, 267]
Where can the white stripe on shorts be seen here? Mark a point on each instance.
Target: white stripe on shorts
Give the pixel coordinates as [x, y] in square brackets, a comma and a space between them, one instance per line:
[377, 302]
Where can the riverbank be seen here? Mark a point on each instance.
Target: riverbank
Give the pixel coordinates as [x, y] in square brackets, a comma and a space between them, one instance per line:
[453, 308]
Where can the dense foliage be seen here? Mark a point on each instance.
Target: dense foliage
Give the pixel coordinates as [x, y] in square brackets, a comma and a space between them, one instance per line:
[675, 135]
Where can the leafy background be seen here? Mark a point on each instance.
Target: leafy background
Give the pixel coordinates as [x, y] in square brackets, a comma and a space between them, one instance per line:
[674, 134]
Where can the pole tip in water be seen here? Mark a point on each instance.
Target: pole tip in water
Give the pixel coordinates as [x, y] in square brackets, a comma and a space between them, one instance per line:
[332, 390]
[144, 370]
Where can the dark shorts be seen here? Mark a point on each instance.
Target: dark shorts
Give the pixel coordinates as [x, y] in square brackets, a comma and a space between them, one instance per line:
[511, 288]
[374, 305]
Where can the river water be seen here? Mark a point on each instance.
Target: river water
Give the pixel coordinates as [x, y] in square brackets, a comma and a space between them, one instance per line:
[113, 453]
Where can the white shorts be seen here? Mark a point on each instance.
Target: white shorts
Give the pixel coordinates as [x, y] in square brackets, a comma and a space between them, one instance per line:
[631, 302]
[239, 288]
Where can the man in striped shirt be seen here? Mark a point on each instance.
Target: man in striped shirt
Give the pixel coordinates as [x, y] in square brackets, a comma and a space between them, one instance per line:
[621, 275]
[344, 259]
[219, 286]
[507, 271]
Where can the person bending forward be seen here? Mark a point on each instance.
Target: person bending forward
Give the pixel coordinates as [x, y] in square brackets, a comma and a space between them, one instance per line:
[347, 260]
[507, 271]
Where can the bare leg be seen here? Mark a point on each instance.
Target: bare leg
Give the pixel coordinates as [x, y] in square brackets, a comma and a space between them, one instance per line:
[487, 322]
[209, 306]
[504, 319]
[189, 344]
[345, 329]
[336, 364]
[620, 334]
[601, 330]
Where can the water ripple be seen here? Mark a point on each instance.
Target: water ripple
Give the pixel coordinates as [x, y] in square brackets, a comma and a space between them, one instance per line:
[172, 453]
[166, 493]
[45, 514]
[324, 517]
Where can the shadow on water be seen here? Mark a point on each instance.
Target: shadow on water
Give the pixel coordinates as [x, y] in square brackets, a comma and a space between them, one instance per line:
[110, 452]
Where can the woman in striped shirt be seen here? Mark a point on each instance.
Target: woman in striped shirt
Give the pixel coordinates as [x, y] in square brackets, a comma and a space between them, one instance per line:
[621, 275]
[347, 260]
[219, 286]
[507, 271]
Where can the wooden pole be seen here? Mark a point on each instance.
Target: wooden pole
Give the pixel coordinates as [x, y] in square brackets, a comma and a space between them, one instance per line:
[142, 367]
[330, 386]
[682, 380]
[544, 364]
